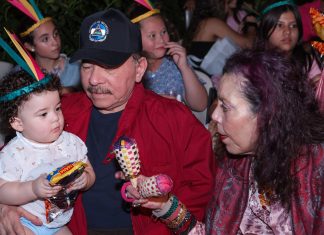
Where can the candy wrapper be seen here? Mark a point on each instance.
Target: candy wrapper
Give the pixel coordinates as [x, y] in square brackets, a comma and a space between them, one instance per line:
[127, 155]
[63, 201]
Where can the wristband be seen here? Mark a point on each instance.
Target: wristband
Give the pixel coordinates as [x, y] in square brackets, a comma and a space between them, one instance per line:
[123, 192]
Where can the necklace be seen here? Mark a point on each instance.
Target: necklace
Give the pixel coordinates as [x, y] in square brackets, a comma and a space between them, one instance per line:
[264, 197]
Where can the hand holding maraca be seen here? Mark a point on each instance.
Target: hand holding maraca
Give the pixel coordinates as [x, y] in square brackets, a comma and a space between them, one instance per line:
[126, 152]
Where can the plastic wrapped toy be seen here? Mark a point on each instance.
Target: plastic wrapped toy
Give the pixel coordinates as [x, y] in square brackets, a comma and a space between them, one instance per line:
[63, 201]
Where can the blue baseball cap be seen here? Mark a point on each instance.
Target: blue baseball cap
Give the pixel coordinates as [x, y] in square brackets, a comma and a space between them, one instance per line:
[109, 38]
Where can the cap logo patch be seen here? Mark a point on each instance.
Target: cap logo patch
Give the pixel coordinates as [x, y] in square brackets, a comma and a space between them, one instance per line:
[98, 31]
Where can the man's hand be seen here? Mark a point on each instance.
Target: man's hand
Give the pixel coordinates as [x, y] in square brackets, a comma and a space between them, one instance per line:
[10, 220]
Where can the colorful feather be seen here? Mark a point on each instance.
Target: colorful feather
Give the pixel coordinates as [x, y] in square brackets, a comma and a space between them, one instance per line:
[146, 3]
[38, 12]
[26, 8]
[27, 57]
[15, 56]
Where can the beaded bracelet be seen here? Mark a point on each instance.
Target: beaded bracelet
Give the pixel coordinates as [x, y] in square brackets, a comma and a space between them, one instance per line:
[192, 224]
[174, 214]
[173, 207]
[175, 224]
[178, 218]
[183, 226]
[185, 220]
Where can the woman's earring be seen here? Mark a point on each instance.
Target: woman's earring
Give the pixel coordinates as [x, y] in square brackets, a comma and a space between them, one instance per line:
[33, 49]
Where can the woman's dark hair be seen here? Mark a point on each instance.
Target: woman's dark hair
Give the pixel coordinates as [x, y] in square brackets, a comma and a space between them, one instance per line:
[204, 10]
[267, 25]
[14, 81]
[288, 118]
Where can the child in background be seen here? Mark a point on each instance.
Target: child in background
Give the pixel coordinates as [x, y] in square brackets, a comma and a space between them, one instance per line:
[168, 72]
[281, 29]
[40, 146]
[41, 37]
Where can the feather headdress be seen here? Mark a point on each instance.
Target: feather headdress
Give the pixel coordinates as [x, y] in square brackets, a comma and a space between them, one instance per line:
[31, 10]
[151, 10]
[27, 62]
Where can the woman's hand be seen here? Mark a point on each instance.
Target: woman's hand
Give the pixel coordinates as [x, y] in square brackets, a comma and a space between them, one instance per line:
[150, 203]
[10, 220]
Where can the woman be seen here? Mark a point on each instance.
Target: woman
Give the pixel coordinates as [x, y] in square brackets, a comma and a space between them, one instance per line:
[281, 28]
[269, 176]
[208, 24]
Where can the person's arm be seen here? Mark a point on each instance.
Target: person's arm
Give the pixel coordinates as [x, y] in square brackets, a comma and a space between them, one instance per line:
[194, 180]
[220, 29]
[195, 93]
[10, 220]
[19, 193]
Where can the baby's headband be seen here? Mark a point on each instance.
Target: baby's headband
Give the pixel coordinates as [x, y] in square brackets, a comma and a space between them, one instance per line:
[277, 4]
[149, 6]
[27, 63]
[32, 11]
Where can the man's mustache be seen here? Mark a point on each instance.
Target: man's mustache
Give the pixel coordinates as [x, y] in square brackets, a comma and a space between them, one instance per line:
[98, 90]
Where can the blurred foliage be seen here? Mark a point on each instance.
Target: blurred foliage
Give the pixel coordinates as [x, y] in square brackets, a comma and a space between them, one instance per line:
[68, 15]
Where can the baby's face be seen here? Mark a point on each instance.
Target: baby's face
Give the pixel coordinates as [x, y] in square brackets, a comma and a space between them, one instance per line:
[40, 118]
[154, 37]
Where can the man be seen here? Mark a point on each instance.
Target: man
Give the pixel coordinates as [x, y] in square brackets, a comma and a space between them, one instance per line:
[169, 138]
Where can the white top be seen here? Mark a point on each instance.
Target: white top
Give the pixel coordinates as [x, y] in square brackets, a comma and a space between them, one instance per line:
[23, 160]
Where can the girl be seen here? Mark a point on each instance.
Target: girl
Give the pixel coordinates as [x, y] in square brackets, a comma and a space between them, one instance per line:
[43, 40]
[281, 29]
[168, 72]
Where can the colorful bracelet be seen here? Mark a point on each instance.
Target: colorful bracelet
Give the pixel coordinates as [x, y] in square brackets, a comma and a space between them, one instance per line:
[192, 224]
[174, 214]
[178, 218]
[123, 192]
[185, 220]
[175, 224]
[173, 207]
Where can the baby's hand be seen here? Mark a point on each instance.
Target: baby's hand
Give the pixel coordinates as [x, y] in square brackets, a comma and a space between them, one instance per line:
[42, 189]
[79, 183]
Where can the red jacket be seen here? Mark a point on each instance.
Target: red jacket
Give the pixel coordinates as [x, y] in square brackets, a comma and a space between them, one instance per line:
[170, 141]
[232, 188]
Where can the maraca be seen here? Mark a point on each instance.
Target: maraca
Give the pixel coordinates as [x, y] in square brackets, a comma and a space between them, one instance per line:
[126, 152]
[127, 155]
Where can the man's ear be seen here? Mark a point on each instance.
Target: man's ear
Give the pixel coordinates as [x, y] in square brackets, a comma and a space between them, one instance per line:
[17, 124]
[29, 47]
[141, 66]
